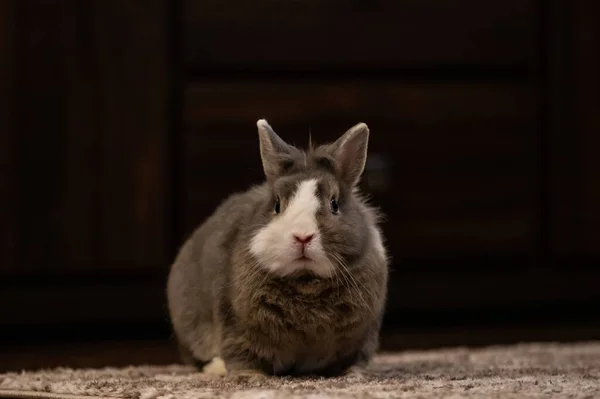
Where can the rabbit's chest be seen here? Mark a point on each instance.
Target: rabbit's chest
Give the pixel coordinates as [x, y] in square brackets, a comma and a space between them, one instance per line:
[306, 333]
[314, 312]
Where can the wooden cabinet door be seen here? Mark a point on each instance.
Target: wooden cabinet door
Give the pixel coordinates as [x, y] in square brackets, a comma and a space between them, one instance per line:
[84, 165]
[84, 157]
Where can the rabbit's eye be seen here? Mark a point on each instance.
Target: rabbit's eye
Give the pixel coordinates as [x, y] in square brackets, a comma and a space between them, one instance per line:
[334, 206]
[277, 206]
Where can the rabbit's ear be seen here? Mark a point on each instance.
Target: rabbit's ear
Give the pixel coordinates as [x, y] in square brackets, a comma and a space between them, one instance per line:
[350, 152]
[273, 150]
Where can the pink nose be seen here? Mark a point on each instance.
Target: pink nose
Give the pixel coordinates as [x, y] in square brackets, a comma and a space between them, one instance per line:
[303, 239]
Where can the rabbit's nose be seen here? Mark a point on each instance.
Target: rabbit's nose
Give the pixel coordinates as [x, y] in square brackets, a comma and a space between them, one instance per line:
[303, 238]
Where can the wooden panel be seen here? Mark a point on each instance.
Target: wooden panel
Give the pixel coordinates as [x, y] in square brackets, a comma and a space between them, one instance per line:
[92, 104]
[312, 34]
[8, 203]
[41, 91]
[574, 124]
[587, 104]
[452, 165]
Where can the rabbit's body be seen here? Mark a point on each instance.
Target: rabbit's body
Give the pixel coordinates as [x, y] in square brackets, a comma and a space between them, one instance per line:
[278, 279]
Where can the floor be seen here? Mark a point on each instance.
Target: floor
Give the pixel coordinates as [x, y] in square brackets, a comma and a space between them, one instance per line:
[511, 371]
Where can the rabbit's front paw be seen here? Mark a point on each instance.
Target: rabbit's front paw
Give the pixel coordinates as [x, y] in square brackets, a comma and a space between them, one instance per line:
[215, 368]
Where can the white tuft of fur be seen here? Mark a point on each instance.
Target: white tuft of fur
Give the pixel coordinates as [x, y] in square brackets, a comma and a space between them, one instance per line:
[216, 367]
[275, 247]
[263, 124]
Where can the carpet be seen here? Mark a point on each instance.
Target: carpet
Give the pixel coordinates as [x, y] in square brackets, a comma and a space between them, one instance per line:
[524, 370]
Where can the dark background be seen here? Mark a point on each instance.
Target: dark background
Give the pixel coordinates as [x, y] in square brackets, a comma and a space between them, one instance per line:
[124, 123]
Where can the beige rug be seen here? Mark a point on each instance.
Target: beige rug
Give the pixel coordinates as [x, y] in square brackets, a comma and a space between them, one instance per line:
[528, 370]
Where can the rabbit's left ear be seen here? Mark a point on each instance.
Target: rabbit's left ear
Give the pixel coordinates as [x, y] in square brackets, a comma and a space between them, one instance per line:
[350, 153]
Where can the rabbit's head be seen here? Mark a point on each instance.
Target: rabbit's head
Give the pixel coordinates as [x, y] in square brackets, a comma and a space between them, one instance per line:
[314, 220]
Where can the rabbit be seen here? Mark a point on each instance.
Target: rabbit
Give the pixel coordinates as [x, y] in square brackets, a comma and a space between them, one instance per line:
[289, 277]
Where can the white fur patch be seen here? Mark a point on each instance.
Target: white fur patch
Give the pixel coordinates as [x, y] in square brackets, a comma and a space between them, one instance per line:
[275, 246]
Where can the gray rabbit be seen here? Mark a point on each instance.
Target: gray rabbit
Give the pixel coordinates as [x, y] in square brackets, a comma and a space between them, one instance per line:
[290, 276]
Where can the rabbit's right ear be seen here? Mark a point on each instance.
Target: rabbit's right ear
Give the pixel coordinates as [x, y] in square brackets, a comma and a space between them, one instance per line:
[272, 149]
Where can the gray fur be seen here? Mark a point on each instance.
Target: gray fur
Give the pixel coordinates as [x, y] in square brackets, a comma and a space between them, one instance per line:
[223, 303]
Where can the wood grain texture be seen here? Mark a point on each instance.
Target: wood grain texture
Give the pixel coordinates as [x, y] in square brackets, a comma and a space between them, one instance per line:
[586, 73]
[8, 161]
[92, 110]
[452, 165]
[312, 34]
[573, 125]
